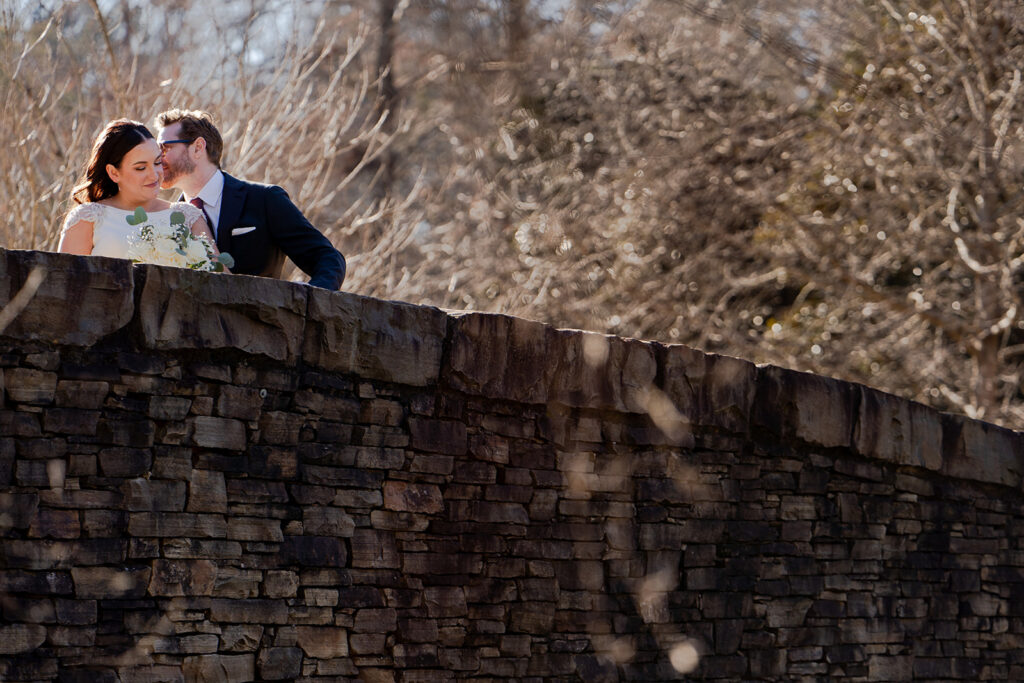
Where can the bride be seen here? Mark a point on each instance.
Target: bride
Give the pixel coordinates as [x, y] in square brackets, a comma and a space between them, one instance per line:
[123, 174]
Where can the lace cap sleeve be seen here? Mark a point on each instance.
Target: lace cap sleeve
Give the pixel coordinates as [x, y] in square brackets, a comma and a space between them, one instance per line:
[89, 212]
[192, 214]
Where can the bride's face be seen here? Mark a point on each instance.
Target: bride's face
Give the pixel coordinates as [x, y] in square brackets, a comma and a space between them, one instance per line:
[140, 172]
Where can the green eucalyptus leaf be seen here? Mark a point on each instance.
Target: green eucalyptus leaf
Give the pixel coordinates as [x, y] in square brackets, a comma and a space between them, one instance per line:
[226, 260]
[138, 217]
[177, 217]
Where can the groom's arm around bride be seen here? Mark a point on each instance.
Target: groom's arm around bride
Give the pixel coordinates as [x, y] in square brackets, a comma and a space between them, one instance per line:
[257, 224]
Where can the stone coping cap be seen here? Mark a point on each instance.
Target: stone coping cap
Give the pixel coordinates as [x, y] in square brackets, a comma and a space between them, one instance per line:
[81, 300]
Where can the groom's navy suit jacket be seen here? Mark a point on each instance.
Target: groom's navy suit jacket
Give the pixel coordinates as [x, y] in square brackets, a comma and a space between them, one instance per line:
[278, 229]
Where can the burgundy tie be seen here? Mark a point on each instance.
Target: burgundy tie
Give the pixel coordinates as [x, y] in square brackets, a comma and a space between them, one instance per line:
[198, 203]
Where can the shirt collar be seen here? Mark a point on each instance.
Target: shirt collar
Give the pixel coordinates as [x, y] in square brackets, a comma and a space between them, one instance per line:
[213, 190]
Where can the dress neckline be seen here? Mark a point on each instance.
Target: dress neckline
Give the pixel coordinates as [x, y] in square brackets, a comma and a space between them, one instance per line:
[114, 208]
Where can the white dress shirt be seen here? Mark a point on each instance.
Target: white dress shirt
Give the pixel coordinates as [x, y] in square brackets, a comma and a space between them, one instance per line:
[212, 194]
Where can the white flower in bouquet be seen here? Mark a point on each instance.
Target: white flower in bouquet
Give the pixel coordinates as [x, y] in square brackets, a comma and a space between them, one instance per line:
[173, 245]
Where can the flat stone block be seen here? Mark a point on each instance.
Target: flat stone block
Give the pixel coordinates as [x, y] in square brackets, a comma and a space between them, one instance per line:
[176, 525]
[182, 578]
[445, 601]
[241, 638]
[102, 290]
[110, 582]
[983, 452]
[376, 340]
[186, 548]
[52, 554]
[70, 636]
[313, 551]
[410, 497]
[280, 663]
[172, 462]
[367, 643]
[447, 437]
[249, 611]
[24, 385]
[256, 491]
[232, 582]
[708, 389]
[76, 612]
[327, 521]
[155, 495]
[205, 643]
[280, 428]
[220, 668]
[322, 642]
[48, 583]
[500, 356]
[17, 609]
[125, 462]
[18, 510]
[218, 432]
[896, 430]
[374, 549]
[207, 492]
[254, 529]
[169, 408]
[320, 597]
[591, 370]
[281, 584]
[488, 512]
[82, 394]
[50, 523]
[242, 403]
[816, 410]
[17, 423]
[137, 433]
[151, 674]
[71, 421]
[382, 620]
[181, 309]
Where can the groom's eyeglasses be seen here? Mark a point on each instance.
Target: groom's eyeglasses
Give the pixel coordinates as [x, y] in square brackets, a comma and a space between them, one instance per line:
[163, 145]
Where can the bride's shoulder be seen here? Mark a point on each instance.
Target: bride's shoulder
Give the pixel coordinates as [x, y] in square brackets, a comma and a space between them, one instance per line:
[90, 212]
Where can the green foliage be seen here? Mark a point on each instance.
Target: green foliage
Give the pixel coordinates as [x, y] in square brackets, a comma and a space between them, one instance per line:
[139, 217]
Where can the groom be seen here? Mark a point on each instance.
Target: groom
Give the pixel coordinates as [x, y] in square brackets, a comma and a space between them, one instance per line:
[257, 224]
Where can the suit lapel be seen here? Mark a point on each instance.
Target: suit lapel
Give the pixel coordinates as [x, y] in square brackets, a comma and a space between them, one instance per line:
[232, 200]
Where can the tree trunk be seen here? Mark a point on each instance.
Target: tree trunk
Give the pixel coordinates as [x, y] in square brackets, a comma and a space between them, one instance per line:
[387, 93]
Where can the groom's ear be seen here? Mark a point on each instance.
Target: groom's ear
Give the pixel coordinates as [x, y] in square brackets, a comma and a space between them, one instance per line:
[201, 146]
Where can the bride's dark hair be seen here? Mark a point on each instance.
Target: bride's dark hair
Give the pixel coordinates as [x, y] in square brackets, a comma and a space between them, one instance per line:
[118, 138]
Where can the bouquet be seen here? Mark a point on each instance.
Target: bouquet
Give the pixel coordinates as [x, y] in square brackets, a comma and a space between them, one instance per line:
[173, 245]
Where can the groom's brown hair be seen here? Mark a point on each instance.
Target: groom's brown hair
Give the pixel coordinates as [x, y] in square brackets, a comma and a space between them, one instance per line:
[195, 124]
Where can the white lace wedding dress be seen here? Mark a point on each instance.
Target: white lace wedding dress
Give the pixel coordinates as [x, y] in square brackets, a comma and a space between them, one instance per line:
[111, 231]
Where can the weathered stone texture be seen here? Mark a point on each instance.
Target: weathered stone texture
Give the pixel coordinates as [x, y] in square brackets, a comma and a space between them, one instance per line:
[373, 339]
[185, 310]
[102, 291]
[245, 479]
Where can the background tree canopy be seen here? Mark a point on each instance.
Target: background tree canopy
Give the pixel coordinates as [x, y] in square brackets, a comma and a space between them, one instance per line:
[829, 186]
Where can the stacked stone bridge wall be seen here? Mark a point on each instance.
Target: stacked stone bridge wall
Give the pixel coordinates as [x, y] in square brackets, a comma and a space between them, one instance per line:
[210, 478]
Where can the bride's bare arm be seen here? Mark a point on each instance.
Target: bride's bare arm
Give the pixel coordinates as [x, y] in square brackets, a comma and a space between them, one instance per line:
[77, 239]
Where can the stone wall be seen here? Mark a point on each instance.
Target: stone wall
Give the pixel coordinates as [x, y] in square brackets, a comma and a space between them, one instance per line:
[212, 478]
